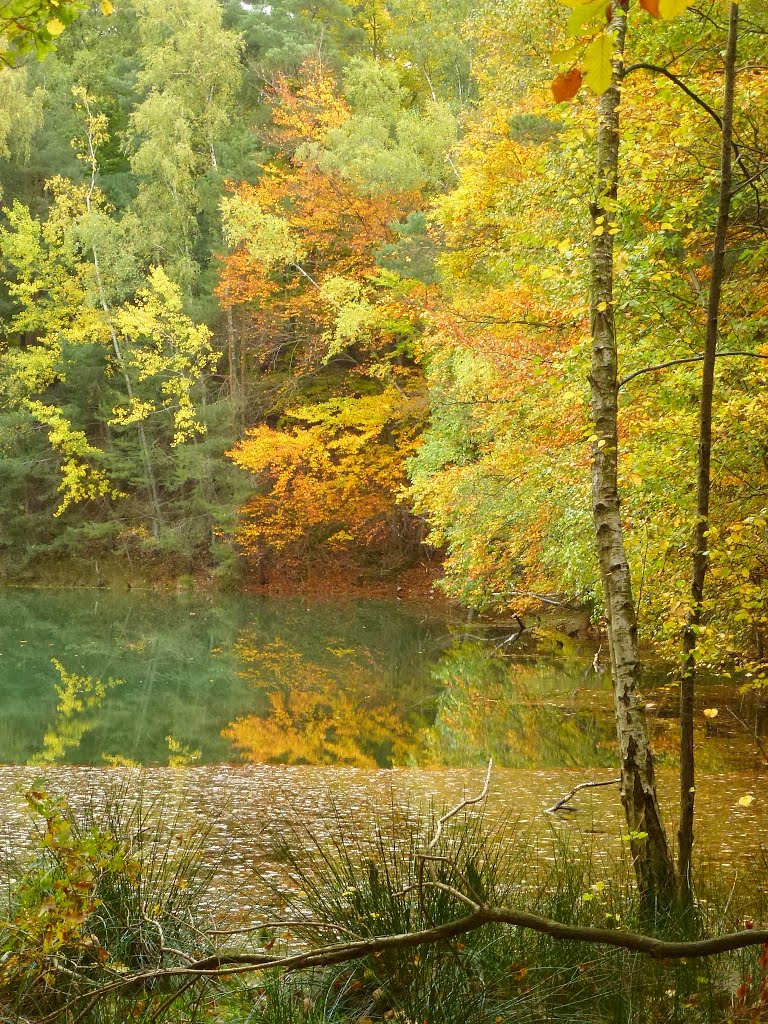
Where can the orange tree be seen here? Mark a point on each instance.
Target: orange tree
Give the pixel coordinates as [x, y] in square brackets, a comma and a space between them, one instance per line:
[327, 338]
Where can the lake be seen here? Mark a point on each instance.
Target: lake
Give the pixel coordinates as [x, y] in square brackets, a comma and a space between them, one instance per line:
[261, 708]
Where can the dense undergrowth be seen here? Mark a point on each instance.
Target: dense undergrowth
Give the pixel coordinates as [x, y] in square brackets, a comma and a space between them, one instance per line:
[120, 893]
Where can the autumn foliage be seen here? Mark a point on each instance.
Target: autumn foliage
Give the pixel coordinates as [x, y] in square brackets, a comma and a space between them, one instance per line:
[303, 276]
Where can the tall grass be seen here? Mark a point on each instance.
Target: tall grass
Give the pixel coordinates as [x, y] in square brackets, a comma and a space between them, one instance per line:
[152, 905]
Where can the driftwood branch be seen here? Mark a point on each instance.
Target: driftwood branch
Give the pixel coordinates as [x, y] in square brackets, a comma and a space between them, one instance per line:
[466, 802]
[562, 805]
[229, 964]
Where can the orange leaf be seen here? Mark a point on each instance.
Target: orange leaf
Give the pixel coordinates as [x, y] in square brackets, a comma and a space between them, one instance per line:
[652, 6]
[566, 86]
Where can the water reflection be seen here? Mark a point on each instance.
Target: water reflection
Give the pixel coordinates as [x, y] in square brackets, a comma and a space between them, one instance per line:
[331, 709]
[141, 679]
[80, 697]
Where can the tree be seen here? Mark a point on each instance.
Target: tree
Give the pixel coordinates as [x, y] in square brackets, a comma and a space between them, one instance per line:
[190, 80]
[506, 360]
[322, 318]
[648, 841]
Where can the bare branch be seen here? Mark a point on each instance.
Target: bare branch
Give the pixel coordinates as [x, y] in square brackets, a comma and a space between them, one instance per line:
[562, 805]
[466, 802]
[657, 69]
[754, 735]
[686, 359]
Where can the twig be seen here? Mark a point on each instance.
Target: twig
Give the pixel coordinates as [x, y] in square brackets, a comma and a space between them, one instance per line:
[433, 859]
[685, 359]
[754, 735]
[466, 802]
[562, 805]
[544, 598]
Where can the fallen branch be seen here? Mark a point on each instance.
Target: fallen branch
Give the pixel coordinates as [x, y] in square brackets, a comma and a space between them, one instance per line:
[466, 802]
[228, 964]
[562, 805]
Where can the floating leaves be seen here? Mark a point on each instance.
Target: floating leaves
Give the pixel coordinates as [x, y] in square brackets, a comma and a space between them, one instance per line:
[746, 800]
[710, 712]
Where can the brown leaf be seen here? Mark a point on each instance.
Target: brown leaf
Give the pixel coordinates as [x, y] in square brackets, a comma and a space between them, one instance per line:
[652, 6]
[566, 86]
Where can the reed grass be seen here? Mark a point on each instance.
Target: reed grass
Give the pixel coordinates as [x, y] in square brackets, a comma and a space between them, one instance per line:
[365, 877]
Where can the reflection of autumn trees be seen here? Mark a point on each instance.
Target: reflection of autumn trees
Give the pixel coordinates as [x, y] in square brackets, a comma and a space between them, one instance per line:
[523, 714]
[80, 698]
[335, 709]
[335, 705]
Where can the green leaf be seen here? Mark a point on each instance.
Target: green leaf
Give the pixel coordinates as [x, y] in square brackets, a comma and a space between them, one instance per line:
[598, 70]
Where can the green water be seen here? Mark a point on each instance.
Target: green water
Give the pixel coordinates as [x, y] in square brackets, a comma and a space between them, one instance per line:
[257, 711]
[95, 678]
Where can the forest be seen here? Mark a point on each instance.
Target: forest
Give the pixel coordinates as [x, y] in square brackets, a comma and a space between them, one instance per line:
[330, 298]
[304, 289]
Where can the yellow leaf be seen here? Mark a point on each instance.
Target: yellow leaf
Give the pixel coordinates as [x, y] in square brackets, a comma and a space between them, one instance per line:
[565, 56]
[107, 7]
[671, 8]
[710, 712]
[745, 801]
[55, 27]
[602, 306]
[582, 13]
[598, 69]
[598, 230]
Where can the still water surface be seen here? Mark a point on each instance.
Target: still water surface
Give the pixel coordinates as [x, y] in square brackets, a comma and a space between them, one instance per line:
[260, 708]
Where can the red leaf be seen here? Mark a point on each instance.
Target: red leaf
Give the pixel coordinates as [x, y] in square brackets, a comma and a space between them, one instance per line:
[652, 6]
[566, 86]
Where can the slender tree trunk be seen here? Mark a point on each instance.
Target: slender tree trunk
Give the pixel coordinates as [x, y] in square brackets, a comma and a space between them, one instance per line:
[146, 454]
[231, 362]
[650, 851]
[701, 529]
